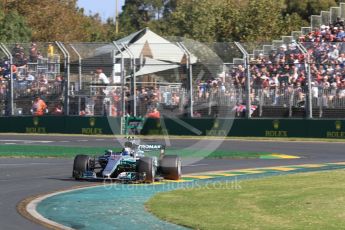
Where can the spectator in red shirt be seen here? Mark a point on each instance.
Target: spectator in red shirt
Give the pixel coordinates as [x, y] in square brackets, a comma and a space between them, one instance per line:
[58, 110]
[39, 107]
[154, 113]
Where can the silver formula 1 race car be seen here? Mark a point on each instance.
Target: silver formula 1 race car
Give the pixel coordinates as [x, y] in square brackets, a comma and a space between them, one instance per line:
[129, 165]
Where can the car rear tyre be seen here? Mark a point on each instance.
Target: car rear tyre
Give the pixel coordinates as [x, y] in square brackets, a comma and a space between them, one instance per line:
[80, 166]
[171, 167]
[146, 166]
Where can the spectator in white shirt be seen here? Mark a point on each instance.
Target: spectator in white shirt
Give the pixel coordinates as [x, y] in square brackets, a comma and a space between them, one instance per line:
[101, 76]
[334, 54]
[30, 77]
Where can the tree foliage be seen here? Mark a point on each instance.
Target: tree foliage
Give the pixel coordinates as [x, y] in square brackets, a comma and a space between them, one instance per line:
[263, 21]
[13, 27]
[230, 20]
[52, 20]
[307, 8]
[203, 20]
[136, 14]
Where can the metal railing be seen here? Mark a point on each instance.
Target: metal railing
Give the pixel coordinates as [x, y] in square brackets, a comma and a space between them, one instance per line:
[186, 79]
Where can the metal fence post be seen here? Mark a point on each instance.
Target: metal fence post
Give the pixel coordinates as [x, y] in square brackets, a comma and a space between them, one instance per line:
[190, 77]
[134, 88]
[307, 67]
[247, 67]
[123, 81]
[291, 101]
[79, 66]
[9, 56]
[79, 74]
[261, 102]
[67, 75]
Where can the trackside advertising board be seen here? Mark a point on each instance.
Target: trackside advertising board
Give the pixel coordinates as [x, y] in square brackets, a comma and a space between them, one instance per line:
[331, 128]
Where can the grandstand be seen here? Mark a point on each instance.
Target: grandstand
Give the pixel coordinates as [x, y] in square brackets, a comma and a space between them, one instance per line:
[299, 76]
[302, 75]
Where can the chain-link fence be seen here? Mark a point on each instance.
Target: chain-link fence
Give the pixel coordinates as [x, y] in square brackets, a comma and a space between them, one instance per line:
[139, 77]
[90, 65]
[29, 70]
[4, 86]
[144, 74]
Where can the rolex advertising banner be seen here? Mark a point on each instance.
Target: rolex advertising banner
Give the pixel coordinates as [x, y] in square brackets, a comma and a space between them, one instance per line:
[33, 125]
[247, 128]
[93, 125]
[60, 124]
[270, 128]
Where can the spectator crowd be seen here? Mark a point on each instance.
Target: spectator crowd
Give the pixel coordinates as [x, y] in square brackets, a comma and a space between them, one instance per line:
[34, 73]
[278, 78]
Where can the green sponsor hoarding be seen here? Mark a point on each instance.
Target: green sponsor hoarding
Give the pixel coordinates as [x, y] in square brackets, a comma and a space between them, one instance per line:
[186, 127]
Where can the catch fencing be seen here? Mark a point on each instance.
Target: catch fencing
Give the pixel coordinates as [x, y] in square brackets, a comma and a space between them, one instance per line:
[177, 79]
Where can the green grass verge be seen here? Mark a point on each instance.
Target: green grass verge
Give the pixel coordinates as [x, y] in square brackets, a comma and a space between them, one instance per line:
[61, 151]
[300, 201]
[219, 154]
[273, 139]
[47, 151]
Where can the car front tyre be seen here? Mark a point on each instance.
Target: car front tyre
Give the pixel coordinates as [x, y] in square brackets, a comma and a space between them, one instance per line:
[146, 166]
[80, 166]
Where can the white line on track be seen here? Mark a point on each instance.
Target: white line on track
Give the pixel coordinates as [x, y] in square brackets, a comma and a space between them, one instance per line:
[64, 141]
[195, 165]
[9, 143]
[100, 139]
[82, 140]
[26, 141]
[26, 164]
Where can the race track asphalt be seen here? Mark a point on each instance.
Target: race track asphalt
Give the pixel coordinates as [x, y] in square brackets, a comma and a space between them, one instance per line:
[22, 177]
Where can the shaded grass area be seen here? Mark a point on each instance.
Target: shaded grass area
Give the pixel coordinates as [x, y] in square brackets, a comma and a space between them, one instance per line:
[62, 151]
[301, 201]
[284, 139]
[47, 151]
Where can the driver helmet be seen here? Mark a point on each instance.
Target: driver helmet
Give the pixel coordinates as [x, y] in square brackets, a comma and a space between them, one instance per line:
[126, 151]
[108, 152]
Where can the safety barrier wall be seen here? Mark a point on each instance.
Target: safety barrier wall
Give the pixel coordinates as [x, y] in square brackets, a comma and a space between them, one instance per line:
[184, 127]
[250, 127]
[61, 124]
